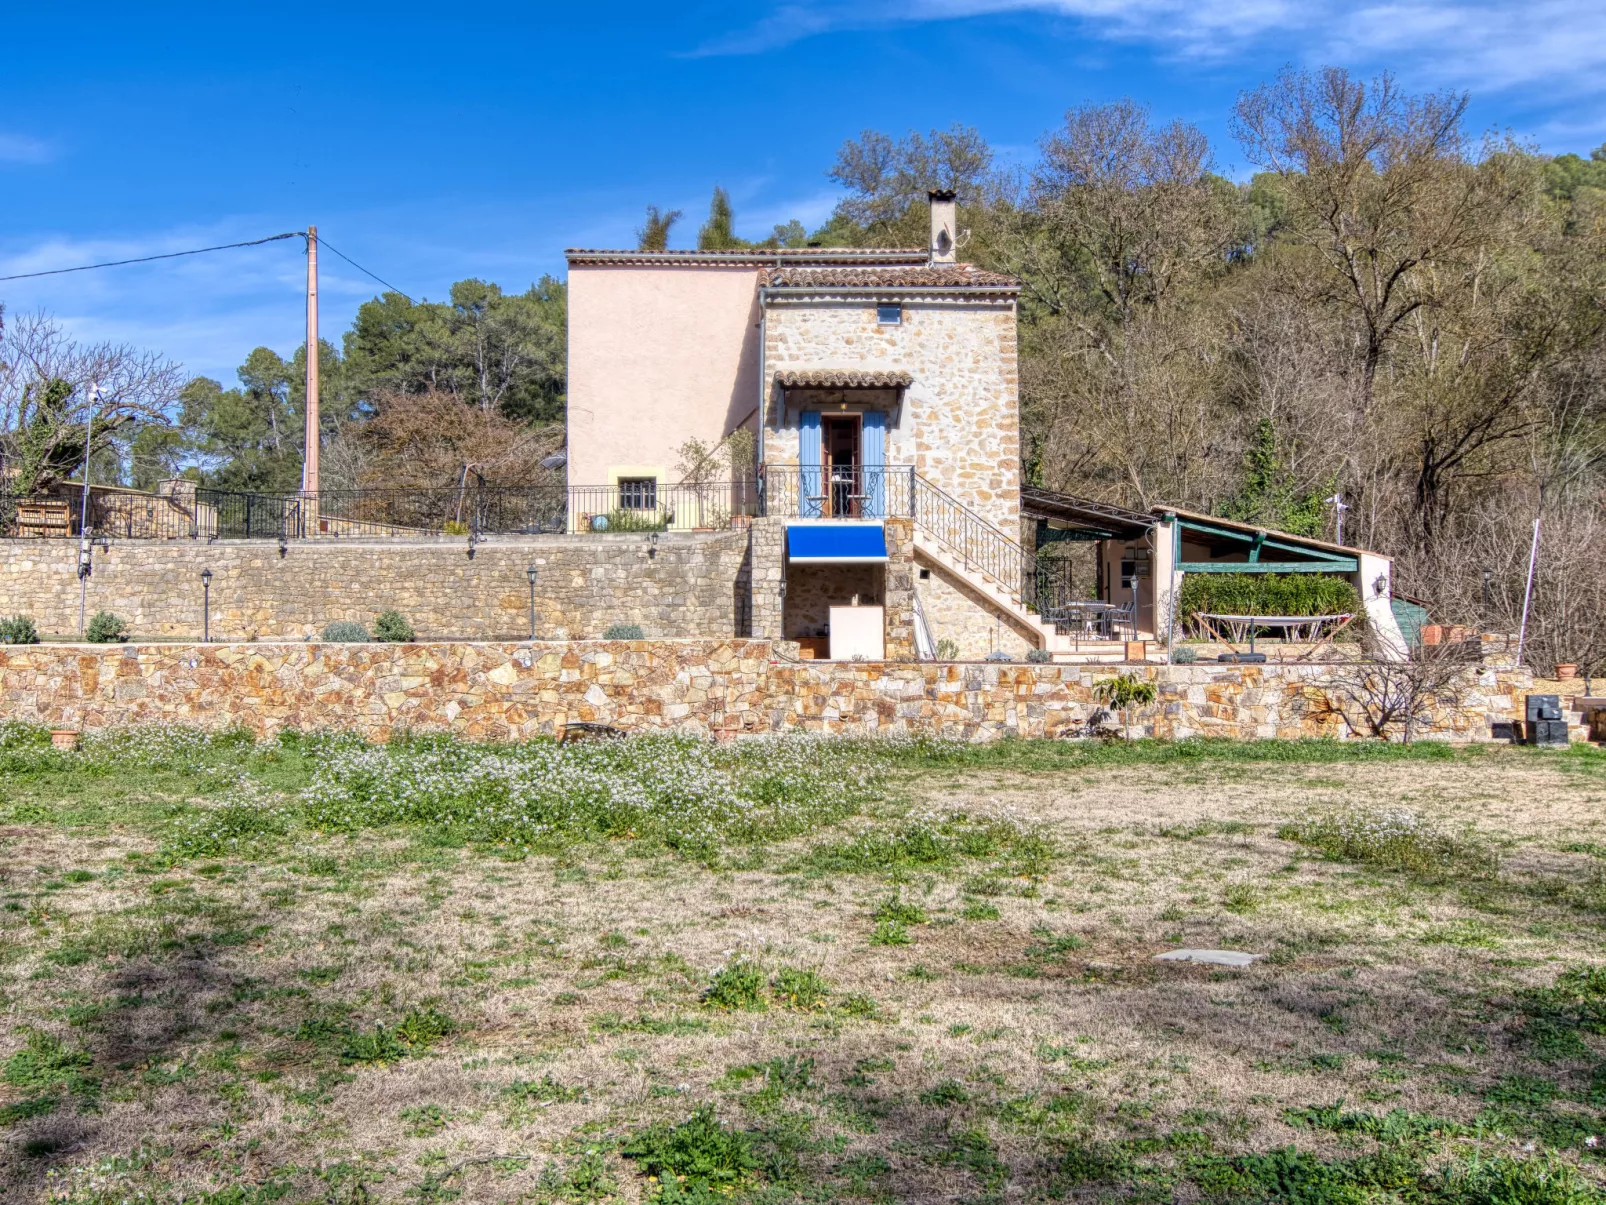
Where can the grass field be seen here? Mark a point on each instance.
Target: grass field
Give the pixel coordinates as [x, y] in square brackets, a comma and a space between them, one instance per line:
[314, 971]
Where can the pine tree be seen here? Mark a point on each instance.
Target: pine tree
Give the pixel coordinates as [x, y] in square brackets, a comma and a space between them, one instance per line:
[718, 233]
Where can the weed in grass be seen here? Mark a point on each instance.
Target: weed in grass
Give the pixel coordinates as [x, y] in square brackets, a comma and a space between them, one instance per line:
[1241, 898]
[861, 1006]
[1398, 839]
[945, 1093]
[246, 820]
[585, 1180]
[698, 1160]
[45, 1060]
[690, 795]
[418, 1031]
[979, 910]
[736, 986]
[891, 933]
[1554, 1016]
[23, 1110]
[613, 1023]
[895, 908]
[799, 989]
[421, 1121]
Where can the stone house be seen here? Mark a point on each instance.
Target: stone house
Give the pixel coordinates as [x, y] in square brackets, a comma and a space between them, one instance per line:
[879, 390]
[876, 385]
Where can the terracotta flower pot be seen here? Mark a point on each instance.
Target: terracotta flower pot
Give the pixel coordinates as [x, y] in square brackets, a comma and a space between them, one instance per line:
[64, 738]
[1566, 672]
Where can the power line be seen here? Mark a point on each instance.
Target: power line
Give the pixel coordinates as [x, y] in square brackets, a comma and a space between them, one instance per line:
[323, 242]
[145, 259]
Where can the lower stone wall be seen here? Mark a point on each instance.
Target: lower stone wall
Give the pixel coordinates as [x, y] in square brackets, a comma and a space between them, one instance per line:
[489, 691]
[687, 584]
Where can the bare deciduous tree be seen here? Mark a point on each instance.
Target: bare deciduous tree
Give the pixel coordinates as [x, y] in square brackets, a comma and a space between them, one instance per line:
[46, 378]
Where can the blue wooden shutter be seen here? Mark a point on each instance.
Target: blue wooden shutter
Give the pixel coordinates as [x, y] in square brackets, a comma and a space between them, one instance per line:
[874, 453]
[810, 460]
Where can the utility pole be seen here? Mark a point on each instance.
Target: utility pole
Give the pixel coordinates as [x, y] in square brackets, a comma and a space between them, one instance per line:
[309, 459]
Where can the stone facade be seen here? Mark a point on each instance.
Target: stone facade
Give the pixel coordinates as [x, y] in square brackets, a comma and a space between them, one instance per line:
[959, 422]
[689, 584]
[519, 691]
[956, 611]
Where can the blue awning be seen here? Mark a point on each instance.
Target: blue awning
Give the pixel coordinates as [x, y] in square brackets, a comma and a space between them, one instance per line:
[836, 543]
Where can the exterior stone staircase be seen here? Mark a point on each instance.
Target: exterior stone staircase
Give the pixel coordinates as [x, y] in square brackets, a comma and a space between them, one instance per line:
[957, 540]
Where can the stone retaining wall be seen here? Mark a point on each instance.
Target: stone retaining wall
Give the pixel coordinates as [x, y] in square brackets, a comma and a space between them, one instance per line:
[688, 584]
[510, 691]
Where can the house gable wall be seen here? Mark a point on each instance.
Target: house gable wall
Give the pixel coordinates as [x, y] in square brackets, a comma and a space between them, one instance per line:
[657, 355]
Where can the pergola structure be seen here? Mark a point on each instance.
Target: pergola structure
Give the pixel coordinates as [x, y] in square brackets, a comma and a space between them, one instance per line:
[1142, 556]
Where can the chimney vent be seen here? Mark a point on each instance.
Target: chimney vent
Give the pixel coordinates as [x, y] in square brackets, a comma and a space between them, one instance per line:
[943, 232]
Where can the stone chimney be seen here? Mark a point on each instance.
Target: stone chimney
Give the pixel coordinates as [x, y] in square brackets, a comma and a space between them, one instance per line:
[944, 232]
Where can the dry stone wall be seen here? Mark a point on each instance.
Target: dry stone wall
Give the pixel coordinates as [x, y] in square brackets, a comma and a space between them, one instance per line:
[689, 584]
[487, 691]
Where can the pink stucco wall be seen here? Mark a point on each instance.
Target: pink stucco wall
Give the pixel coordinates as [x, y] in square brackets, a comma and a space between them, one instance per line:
[657, 355]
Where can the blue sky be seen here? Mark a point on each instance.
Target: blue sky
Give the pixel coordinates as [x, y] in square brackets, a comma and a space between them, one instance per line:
[434, 142]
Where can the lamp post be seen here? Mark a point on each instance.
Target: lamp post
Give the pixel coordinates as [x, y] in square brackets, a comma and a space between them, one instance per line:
[84, 554]
[206, 606]
[530, 573]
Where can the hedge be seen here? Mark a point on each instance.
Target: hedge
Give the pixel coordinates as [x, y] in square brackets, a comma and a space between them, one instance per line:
[1267, 594]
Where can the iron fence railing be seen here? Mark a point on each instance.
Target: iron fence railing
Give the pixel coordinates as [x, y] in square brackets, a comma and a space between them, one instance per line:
[131, 515]
[628, 505]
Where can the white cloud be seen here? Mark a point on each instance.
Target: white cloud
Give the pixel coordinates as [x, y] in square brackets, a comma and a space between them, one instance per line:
[1481, 44]
[19, 148]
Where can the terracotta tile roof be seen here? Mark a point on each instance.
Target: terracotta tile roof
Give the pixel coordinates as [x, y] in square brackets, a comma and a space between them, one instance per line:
[753, 256]
[922, 276]
[842, 378]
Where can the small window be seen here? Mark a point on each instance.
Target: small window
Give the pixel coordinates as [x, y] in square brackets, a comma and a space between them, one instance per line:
[889, 315]
[925, 575]
[638, 493]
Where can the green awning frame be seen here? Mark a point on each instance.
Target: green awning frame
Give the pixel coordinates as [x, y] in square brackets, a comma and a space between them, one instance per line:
[1322, 560]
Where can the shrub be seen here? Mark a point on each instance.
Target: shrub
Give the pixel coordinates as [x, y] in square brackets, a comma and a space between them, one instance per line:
[947, 649]
[18, 629]
[344, 631]
[106, 628]
[634, 520]
[1184, 655]
[1039, 656]
[624, 631]
[391, 626]
[1266, 594]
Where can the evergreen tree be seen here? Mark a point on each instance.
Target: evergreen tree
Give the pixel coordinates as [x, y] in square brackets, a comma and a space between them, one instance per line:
[718, 233]
[654, 236]
[1269, 495]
